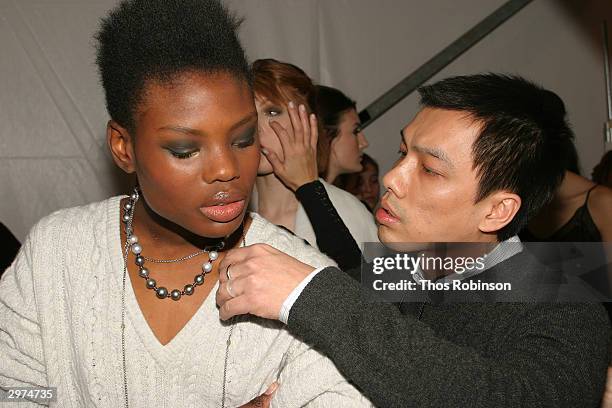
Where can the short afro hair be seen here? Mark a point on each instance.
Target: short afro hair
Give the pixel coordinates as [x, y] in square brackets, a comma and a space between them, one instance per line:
[144, 40]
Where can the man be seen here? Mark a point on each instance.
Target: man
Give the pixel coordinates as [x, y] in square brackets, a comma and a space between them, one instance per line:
[482, 157]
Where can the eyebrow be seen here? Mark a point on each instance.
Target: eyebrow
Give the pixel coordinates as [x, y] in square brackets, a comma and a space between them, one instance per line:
[432, 151]
[196, 132]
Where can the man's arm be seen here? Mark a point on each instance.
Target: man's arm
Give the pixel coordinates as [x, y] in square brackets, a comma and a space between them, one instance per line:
[398, 361]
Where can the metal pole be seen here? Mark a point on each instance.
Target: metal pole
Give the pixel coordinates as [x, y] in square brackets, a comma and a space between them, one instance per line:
[439, 61]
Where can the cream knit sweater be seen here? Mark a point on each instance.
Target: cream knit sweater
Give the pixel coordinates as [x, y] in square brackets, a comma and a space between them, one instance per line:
[60, 325]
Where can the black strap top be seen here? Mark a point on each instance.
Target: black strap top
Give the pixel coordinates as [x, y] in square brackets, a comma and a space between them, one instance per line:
[580, 228]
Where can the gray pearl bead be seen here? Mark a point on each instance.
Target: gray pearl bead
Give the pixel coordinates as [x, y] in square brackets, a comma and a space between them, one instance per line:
[127, 206]
[189, 290]
[213, 255]
[140, 260]
[175, 294]
[134, 196]
[136, 249]
[125, 218]
[151, 283]
[132, 239]
[207, 267]
[128, 231]
[144, 273]
[199, 279]
[162, 292]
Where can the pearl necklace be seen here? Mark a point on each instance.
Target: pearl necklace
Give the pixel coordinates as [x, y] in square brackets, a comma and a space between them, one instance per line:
[136, 248]
[129, 211]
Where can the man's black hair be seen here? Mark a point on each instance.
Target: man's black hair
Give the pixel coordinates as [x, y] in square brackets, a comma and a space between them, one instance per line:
[524, 137]
[143, 40]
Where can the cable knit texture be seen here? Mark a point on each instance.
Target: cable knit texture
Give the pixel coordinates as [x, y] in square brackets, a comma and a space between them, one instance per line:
[60, 325]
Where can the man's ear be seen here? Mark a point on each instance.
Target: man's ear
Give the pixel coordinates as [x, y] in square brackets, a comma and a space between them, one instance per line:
[121, 146]
[501, 208]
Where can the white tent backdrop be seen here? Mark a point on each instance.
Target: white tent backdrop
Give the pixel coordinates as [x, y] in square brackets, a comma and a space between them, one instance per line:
[52, 116]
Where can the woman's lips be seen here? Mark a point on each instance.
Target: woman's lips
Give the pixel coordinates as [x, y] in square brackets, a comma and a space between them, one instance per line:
[384, 217]
[224, 212]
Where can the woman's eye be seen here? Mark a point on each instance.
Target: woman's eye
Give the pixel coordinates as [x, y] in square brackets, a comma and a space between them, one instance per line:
[183, 155]
[248, 139]
[242, 143]
[272, 112]
[402, 153]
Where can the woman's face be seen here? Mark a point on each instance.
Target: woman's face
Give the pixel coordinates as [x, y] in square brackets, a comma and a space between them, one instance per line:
[196, 151]
[369, 187]
[347, 147]
[267, 111]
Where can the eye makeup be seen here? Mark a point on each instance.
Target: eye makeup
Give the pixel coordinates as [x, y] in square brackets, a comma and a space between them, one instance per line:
[181, 150]
[247, 138]
[272, 111]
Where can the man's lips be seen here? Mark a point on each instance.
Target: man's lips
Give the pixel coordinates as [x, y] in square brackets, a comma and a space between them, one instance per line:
[224, 211]
[385, 215]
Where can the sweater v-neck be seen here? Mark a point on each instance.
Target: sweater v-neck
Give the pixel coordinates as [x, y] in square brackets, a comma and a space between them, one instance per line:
[202, 320]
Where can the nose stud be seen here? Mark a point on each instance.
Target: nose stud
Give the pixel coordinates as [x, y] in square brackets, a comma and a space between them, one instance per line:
[221, 195]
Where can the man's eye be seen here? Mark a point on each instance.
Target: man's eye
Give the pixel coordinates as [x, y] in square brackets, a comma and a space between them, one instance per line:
[429, 171]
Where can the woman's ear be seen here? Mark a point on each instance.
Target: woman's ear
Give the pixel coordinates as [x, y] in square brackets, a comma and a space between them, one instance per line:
[121, 146]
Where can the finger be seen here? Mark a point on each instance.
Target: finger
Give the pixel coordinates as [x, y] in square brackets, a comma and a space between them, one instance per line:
[231, 289]
[277, 164]
[221, 297]
[236, 258]
[283, 136]
[234, 307]
[263, 401]
[314, 131]
[294, 117]
[305, 125]
[272, 388]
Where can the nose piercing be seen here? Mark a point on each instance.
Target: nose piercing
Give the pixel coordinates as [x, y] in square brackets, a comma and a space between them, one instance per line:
[221, 195]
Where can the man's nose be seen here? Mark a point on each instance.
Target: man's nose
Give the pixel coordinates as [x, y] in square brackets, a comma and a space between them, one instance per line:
[397, 179]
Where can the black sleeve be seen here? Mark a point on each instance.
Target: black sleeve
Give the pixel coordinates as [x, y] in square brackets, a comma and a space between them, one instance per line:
[9, 247]
[557, 358]
[333, 237]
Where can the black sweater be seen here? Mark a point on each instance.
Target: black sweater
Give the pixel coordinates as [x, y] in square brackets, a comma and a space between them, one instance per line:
[457, 355]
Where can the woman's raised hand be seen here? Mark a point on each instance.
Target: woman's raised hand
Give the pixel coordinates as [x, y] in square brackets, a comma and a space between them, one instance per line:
[299, 144]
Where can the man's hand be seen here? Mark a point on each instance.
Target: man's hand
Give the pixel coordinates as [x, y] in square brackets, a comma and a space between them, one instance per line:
[262, 278]
[263, 401]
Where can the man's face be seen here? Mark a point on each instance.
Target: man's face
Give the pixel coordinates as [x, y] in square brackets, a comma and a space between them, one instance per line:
[432, 187]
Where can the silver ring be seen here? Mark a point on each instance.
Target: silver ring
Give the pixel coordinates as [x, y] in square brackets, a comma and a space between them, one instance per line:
[228, 287]
[227, 272]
